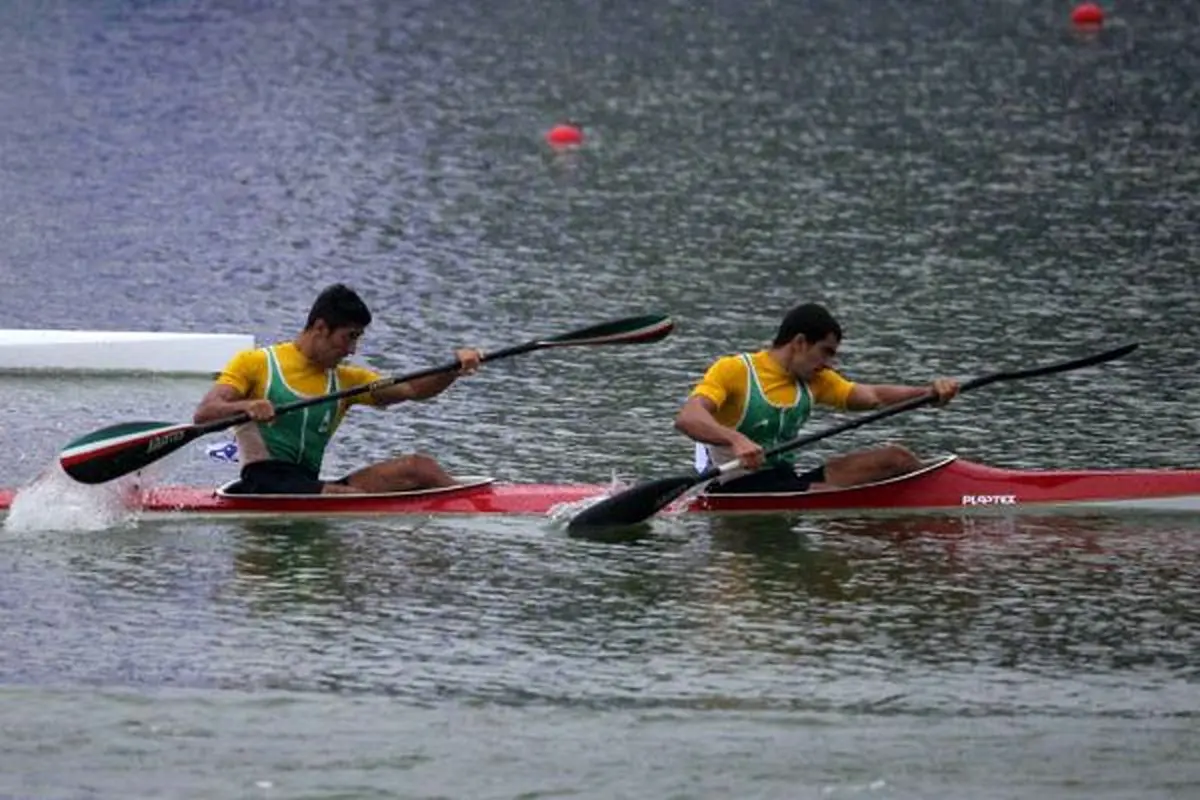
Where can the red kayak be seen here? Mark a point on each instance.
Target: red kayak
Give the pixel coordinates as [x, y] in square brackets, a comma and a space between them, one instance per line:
[949, 484]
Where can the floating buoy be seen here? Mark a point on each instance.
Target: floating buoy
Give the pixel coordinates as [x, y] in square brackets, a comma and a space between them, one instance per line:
[565, 135]
[1088, 15]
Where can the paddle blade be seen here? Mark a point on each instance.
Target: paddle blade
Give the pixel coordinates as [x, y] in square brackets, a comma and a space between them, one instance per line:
[632, 505]
[631, 330]
[117, 450]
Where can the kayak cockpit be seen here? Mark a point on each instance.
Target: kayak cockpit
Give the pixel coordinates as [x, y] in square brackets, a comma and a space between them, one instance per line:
[465, 483]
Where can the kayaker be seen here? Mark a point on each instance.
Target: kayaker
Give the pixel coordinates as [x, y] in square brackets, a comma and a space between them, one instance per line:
[283, 455]
[748, 402]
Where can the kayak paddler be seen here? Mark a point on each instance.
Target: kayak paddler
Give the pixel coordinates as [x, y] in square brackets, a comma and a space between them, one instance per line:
[749, 402]
[284, 455]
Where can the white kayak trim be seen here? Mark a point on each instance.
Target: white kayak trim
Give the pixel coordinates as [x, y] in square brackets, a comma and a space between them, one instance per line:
[53, 351]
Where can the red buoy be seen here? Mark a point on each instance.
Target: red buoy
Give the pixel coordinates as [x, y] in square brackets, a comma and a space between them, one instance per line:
[565, 135]
[1088, 14]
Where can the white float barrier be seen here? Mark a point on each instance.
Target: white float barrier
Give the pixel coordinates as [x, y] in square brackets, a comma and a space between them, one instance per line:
[37, 351]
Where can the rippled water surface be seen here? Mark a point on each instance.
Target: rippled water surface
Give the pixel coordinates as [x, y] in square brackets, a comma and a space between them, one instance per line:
[969, 188]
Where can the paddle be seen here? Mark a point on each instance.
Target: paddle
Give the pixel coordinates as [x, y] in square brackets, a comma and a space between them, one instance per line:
[120, 449]
[641, 502]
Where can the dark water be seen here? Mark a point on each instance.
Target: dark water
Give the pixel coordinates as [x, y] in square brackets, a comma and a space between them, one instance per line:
[968, 186]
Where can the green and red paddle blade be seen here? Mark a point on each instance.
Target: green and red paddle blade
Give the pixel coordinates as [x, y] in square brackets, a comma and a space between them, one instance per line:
[631, 330]
[641, 329]
[117, 450]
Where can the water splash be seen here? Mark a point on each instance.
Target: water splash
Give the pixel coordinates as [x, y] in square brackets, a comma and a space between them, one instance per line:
[562, 513]
[55, 502]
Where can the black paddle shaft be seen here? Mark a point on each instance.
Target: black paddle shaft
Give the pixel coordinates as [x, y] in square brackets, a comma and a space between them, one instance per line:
[926, 399]
[123, 448]
[353, 391]
[632, 330]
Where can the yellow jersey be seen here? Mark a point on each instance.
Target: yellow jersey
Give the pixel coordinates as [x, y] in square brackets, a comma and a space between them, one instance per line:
[249, 373]
[727, 385]
[283, 375]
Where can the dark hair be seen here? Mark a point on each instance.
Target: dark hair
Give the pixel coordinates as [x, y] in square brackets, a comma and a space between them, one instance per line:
[810, 320]
[340, 307]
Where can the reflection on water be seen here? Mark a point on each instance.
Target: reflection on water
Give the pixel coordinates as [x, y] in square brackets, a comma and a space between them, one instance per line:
[937, 617]
[281, 565]
[1027, 595]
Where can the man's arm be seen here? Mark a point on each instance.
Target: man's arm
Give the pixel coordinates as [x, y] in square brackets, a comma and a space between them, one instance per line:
[866, 396]
[695, 420]
[420, 389]
[431, 385]
[224, 400]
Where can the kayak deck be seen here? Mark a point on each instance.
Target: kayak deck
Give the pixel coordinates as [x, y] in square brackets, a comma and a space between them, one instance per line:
[953, 484]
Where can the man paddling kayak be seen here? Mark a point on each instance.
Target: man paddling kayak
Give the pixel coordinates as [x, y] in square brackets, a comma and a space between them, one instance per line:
[284, 455]
[750, 402]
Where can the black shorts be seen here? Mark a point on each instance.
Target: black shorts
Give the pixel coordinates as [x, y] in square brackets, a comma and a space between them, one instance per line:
[277, 477]
[776, 479]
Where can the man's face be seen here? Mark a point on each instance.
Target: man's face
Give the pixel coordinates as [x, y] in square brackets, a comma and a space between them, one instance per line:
[336, 344]
[809, 359]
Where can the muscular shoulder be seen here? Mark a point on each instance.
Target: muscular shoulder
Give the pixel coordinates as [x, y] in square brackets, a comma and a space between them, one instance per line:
[244, 371]
[830, 388]
[728, 368]
[248, 360]
[725, 377]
